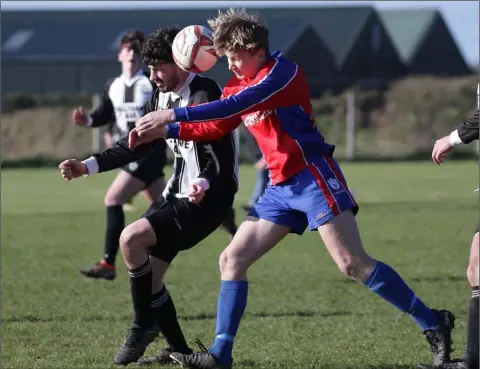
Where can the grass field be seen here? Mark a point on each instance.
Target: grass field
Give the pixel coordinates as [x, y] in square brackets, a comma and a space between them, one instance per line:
[302, 313]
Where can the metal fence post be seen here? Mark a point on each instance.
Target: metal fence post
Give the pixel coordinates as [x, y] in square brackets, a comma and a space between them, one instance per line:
[350, 133]
[96, 131]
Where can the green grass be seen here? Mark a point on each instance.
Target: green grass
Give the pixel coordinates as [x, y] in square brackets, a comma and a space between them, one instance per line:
[302, 312]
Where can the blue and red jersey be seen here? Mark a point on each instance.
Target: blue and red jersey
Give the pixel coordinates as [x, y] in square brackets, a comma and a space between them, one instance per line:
[275, 107]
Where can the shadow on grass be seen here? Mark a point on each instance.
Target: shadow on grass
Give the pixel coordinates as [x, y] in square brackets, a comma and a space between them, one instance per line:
[195, 317]
[427, 278]
[441, 278]
[246, 364]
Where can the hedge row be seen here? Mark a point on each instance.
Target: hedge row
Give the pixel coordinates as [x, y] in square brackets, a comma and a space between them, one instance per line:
[401, 122]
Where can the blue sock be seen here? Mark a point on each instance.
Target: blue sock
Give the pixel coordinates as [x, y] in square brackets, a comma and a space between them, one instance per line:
[386, 283]
[232, 301]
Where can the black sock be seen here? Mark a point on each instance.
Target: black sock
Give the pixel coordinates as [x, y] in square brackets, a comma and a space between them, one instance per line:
[229, 222]
[166, 318]
[115, 225]
[141, 287]
[471, 354]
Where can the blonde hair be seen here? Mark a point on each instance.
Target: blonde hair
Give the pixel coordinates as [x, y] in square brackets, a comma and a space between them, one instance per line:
[237, 30]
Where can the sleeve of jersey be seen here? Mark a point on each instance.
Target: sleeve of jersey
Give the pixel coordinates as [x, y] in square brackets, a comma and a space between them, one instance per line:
[205, 131]
[121, 154]
[468, 130]
[277, 89]
[104, 113]
[211, 171]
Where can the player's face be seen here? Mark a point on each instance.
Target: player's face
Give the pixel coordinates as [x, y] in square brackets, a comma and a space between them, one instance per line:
[129, 57]
[165, 76]
[245, 64]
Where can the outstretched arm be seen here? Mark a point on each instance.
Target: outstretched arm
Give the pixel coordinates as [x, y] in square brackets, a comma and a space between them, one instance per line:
[205, 131]
[466, 132]
[275, 90]
[284, 85]
[119, 155]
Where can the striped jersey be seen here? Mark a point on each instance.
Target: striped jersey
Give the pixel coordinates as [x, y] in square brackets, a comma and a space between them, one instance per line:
[215, 160]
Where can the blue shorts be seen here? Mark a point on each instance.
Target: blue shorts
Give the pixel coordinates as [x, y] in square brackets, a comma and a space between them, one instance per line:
[310, 198]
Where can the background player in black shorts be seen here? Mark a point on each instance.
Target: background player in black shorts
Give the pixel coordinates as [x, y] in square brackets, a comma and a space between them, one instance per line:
[195, 202]
[122, 103]
[109, 142]
[465, 133]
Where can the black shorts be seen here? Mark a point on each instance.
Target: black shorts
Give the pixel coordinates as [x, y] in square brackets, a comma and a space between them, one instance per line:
[179, 224]
[149, 168]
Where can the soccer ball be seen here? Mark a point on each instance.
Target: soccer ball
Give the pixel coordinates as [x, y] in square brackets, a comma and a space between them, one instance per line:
[193, 50]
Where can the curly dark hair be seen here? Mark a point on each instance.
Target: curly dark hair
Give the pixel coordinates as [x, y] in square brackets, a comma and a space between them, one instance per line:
[134, 39]
[158, 47]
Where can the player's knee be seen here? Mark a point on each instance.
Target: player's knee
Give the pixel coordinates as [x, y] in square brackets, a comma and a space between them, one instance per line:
[356, 269]
[130, 237]
[473, 274]
[111, 199]
[348, 268]
[231, 262]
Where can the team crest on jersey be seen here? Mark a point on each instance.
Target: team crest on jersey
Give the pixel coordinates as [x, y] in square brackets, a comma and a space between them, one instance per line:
[133, 166]
[258, 116]
[334, 184]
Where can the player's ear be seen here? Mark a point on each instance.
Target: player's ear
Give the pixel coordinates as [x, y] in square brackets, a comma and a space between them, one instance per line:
[259, 54]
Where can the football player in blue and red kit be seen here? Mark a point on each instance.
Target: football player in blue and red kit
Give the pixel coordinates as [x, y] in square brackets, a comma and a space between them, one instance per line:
[307, 189]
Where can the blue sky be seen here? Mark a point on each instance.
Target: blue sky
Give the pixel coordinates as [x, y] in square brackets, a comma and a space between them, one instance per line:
[462, 17]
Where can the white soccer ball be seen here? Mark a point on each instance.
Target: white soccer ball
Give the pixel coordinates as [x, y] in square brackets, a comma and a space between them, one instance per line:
[193, 50]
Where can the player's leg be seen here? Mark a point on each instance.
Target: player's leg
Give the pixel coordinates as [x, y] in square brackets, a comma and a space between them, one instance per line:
[136, 241]
[148, 246]
[335, 221]
[165, 318]
[123, 188]
[470, 360]
[471, 355]
[268, 223]
[170, 239]
[179, 225]
[129, 206]
[154, 190]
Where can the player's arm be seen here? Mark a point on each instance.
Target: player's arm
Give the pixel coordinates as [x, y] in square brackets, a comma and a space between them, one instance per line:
[466, 132]
[206, 131]
[276, 90]
[210, 173]
[118, 156]
[104, 113]
[121, 154]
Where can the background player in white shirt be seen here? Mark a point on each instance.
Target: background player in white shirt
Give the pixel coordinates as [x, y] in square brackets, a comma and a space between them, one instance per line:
[123, 102]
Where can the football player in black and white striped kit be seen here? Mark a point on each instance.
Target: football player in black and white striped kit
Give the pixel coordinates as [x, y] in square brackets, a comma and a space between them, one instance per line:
[465, 133]
[122, 104]
[196, 201]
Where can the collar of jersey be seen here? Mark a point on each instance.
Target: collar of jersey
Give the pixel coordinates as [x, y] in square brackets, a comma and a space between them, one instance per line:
[130, 81]
[181, 92]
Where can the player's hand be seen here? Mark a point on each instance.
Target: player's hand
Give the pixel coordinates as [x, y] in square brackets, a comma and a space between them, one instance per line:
[196, 193]
[72, 168]
[440, 150]
[79, 117]
[134, 138]
[155, 119]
